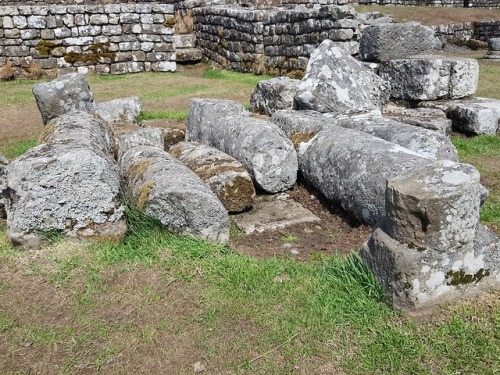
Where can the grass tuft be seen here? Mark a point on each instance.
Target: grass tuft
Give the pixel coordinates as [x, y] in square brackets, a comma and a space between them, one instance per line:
[16, 149]
[180, 115]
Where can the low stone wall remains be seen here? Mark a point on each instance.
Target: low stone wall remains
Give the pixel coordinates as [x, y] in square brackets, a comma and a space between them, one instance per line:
[111, 38]
[435, 3]
[273, 42]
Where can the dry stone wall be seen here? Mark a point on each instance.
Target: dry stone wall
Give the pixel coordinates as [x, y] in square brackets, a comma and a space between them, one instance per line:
[436, 3]
[111, 38]
[274, 42]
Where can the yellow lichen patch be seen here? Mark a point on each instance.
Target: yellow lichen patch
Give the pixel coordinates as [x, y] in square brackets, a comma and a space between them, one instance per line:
[238, 196]
[169, 22]
[144, 192]
[298, 138]
[47, 132]
[137, 169]
[44, 47]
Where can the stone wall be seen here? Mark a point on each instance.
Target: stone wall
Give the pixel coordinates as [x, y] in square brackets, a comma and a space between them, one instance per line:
[483, 30]
[274, 42]
[436, 3]
[111, 38]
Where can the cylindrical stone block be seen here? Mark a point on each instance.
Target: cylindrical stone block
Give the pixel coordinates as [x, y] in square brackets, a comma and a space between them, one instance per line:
[227, 178]
[435, 208]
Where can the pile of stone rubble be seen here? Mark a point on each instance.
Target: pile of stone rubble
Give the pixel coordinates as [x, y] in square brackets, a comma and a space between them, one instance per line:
[391, 166]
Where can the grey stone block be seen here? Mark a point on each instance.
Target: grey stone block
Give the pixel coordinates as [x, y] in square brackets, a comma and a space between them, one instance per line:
[431, 77]
[225, 176]
[336, 82]
[391, 41]
[64, 94]
[167, 190]
[119, 110]
[274, 94]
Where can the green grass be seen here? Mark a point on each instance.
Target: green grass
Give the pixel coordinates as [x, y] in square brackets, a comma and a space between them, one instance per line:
[180, 115]
[246, 78]
[13, 150]
[176, 91]
[19, 92]
[483, 152]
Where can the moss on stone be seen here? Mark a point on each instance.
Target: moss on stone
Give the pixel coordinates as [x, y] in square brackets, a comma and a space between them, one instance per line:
[44, 47]
[460, 277]
[95, 54]
[144, 192]
[169, 22]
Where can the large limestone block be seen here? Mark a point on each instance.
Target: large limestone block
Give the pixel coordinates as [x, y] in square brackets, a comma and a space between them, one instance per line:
[427, 118]
[336, 82]
[225, 176]
[352, 168]
[470, 116]
[119, 110]
[391, 41]
[167, 190]
[417, 280]
[205, 115]
[66, 187]
[141, 137]
[274, 94]
[66, 93]
[80, 127]
[425, 142]
[259, 145]
[297, 124]
[437, 208]
[430, 77]
[475, 117]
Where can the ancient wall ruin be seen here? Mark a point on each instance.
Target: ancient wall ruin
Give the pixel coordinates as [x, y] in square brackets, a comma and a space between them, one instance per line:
[111, 38]
[436, 3]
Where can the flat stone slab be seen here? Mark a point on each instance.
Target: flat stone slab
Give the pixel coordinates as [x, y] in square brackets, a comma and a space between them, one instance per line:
[273, 212]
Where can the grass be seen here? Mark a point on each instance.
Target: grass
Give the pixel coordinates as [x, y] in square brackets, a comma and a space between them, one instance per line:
[15, 149]
[179, 115]
[484, 153]
[246, 315]
[433, 15]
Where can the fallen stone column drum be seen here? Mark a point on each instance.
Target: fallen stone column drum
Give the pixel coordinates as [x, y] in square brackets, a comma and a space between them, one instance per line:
[352, 168]
[227, 178]
[167, 190]
[262, 148]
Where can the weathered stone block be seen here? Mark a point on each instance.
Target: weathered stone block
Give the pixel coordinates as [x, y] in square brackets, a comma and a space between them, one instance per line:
[391, 41]
[425, 142]
[418, 280]
[142, 137]
[66, 187]
[428, 118]
[274, 94]
[225, 176]
[336, 82]
[431, 77]
[166, 189]
[260, 146]
[64, 94]
[352, 168]
[119, 110]
[437, 208]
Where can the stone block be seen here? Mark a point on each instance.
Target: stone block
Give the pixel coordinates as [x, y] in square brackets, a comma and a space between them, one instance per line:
[336, 82]
[164, 188]
[428, 118]
[431, 77]
[64, 94]
[437, 208]
[119, 110]
[153, 137]
[392, 41]
[225, 176]
[274, 94]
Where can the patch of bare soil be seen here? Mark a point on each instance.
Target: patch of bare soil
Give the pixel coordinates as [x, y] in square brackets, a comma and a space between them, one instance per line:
[336, 233]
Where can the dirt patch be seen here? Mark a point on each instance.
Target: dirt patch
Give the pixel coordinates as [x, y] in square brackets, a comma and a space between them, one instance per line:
[336, 233]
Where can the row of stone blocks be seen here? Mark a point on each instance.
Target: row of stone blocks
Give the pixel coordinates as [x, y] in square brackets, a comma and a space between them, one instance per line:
[112, 38]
